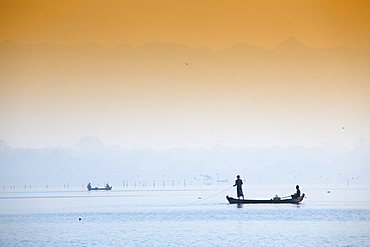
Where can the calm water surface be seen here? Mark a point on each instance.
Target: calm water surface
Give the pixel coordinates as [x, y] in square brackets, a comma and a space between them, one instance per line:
[155, 217]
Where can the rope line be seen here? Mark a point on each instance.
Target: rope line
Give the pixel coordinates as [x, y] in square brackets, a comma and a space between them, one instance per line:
[210, 196]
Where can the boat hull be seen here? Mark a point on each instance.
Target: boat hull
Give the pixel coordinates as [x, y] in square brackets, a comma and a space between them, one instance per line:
[256, 201]
[102, 188]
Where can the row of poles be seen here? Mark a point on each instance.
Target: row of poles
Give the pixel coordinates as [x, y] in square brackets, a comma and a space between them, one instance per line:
[125, 184]
[13, 187]
[153, 183]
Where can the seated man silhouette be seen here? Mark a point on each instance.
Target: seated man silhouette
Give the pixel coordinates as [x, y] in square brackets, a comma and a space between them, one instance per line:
[297, 194]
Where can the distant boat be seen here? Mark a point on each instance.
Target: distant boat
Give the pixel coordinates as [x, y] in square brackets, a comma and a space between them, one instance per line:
[106, 187]
[273, 200]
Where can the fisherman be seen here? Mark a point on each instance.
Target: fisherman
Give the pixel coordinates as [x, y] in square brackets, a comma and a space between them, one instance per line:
[238, 184]
[297, 194]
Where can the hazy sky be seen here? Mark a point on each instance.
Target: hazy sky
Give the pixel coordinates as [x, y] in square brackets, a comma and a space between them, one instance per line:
[51, 102]
[212, 23]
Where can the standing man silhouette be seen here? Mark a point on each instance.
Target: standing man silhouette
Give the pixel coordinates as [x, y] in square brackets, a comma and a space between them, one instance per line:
[238, 184]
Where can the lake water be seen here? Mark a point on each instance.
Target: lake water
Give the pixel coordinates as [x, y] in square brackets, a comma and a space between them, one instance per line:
[183, 217]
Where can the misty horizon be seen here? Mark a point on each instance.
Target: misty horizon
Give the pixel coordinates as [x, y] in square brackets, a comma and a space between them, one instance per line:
[91, 160]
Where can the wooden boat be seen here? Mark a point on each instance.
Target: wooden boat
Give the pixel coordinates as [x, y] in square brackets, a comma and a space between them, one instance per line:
[106, 187]
[273, 200]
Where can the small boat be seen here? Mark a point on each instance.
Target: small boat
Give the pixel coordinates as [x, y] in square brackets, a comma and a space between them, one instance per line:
[106, 187]
[273, 200]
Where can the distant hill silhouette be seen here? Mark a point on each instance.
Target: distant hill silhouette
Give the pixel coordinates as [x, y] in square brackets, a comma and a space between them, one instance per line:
[168, 86]
[238, 67]
[158, 65]
[291, 43]
[154, 54]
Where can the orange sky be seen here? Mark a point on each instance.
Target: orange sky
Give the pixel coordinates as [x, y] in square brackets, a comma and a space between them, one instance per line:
[243, 96]
[213, 23]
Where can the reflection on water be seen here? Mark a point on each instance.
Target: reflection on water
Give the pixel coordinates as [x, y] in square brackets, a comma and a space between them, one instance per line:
[170, 218]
